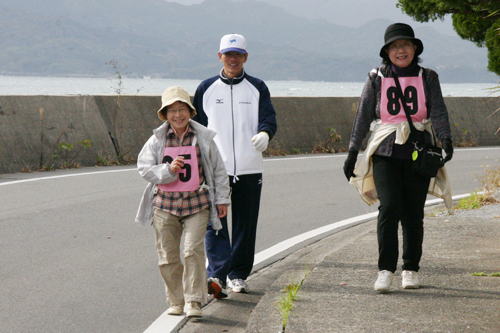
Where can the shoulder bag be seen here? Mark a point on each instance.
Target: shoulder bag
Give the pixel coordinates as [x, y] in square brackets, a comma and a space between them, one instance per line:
[427, 158]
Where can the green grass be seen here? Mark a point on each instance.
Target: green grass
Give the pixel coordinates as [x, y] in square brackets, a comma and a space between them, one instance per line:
[497, 274]
[490, 181]
[288, 296]
[474, 201]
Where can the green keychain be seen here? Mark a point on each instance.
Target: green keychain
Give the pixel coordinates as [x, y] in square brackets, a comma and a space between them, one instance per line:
[414, 155]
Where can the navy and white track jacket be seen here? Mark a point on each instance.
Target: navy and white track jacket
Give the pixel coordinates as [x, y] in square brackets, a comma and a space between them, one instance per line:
[236, 109]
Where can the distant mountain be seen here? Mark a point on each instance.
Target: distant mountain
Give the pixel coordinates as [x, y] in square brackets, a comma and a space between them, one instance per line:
[165, 39]
[352, 13]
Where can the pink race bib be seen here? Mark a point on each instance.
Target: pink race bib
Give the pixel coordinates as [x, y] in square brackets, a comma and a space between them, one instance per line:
[188, 178]
[391, 109]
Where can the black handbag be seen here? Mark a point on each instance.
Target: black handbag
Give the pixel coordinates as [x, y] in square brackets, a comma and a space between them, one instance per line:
[427, 158]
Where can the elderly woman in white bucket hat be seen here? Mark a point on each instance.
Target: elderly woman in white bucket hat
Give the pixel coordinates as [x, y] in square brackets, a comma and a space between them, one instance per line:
[385, 172]
[188, 188]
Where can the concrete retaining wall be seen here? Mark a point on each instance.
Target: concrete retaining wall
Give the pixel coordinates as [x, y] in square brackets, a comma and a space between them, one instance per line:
[117, 127]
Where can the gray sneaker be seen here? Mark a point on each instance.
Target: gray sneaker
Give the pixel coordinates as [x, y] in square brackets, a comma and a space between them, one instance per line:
[238, 285]
[384, 281]
[410, 280]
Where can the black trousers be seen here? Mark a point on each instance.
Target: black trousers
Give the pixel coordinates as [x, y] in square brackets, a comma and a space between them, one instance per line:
[402, 195]
[234, 257]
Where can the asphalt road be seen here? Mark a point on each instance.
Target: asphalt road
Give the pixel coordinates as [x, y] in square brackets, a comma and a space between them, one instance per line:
[73, 260]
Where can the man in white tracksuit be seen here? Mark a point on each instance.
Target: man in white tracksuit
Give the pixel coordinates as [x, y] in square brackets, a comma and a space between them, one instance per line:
[238, 107]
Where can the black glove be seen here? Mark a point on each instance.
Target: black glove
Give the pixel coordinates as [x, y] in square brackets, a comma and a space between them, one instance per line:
[350, 163]
[448, 149]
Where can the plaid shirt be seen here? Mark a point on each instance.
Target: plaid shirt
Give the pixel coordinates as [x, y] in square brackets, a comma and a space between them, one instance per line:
[183, 203]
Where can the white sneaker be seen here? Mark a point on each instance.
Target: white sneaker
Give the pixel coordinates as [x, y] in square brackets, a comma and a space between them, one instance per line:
[238, 285]
[216, 288]
[410, 280]
[384, 281]
[193, 309]
[176, 309]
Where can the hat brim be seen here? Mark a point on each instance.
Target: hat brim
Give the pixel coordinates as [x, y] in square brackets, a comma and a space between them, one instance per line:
[172, 101]
[229, 49]
[416, 41]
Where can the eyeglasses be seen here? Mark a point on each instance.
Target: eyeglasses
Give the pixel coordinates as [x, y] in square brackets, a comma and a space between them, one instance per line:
[404, 46]
[181, 110]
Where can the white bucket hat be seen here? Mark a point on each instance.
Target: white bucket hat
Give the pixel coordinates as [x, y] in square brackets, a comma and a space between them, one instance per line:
[233, 42]
[172, 95]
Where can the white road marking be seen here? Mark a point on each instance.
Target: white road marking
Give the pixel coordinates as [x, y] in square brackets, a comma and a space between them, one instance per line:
[166, 323]
[135, 169]
[64, 176]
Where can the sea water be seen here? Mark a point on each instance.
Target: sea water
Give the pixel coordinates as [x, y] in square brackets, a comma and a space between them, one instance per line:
[36, 85]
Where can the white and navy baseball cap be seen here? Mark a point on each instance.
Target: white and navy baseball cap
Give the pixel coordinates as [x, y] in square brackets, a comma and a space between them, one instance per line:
[233, 42]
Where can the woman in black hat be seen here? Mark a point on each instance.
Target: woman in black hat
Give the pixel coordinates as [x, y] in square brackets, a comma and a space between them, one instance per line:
[384, 171]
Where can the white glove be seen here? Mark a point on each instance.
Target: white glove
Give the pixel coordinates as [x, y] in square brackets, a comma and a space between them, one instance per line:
[260, 141]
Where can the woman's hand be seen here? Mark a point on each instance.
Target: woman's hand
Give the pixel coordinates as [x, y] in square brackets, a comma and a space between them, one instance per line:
[448, 149]
[350, 163]
[177, 164]
[222, 210]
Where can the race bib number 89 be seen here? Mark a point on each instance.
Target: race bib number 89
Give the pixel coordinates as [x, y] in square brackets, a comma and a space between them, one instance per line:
[391, 109]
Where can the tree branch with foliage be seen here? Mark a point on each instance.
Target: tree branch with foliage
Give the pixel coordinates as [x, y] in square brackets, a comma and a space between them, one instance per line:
[474, 20]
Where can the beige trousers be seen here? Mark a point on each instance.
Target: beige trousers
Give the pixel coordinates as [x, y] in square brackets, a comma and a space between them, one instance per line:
[188, 282]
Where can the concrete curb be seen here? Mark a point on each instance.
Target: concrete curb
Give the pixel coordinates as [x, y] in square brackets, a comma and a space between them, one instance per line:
[339, 288]
[120, 125]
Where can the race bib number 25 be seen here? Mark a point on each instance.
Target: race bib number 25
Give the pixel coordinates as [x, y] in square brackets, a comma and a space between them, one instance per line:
[188, 177]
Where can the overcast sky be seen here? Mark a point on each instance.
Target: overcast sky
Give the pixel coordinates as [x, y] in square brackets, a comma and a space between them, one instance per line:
[352, 13]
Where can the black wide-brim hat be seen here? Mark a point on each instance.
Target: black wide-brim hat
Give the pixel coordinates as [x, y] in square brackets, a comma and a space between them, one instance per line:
[398, 31]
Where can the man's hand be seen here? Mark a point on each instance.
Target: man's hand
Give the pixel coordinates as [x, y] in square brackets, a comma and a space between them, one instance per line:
[260, 141]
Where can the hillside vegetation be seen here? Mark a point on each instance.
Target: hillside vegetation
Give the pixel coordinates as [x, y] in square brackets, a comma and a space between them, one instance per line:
[163, 39]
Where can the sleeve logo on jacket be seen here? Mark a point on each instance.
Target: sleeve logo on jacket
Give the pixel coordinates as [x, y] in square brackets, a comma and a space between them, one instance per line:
[219, 101]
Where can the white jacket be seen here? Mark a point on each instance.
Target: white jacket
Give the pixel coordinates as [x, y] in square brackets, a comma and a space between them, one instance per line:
[151, 168]
[439, 186]
[236, 109]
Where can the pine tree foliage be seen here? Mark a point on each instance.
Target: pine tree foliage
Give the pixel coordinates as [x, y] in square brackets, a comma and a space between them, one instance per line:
[474, 20]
